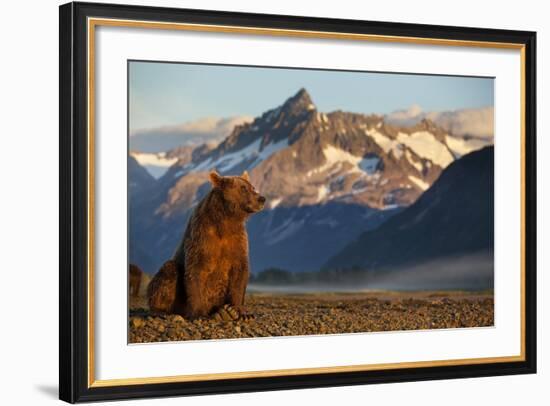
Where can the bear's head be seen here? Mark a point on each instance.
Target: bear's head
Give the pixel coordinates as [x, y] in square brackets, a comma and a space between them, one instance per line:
[238, 193]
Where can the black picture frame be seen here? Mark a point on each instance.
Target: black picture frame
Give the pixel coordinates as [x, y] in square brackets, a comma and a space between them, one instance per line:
[74, 383]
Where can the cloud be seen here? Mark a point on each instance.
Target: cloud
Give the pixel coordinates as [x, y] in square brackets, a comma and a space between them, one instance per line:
[405, 116]
[474, 122]
[208, 129]
[206, 125]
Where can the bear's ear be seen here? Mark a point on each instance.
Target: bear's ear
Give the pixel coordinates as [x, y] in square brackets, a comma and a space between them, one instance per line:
[245, 176]
[216, 179]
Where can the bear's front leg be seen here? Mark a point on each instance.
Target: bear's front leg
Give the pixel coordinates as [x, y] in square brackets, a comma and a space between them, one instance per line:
[237, 290]
[198, 303]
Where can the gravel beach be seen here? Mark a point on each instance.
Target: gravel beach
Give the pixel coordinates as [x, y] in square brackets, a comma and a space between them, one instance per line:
[321, 313]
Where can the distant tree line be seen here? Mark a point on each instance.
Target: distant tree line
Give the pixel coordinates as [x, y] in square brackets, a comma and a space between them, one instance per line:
[325, 276]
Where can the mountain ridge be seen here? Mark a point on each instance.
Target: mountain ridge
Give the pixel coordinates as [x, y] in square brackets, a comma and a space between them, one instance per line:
[301, 160]
[451, 210]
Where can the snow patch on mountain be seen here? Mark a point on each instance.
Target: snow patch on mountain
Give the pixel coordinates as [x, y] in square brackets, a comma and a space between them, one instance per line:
[271, 148]
[232, 159]
[425, 145]
[462, 146]
[182, 171]
[156, 164]
[322, 193]
[275, 202]
[386, 143]
[251, 153]
[419, 182]
[336, 157]
[204, 165]
[417, 165]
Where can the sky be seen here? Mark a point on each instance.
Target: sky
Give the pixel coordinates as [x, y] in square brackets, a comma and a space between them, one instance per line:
[165, 94]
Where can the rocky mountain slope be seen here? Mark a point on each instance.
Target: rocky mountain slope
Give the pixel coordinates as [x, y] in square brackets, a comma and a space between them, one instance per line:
[453, 219]
[327, 178]
[157, 163]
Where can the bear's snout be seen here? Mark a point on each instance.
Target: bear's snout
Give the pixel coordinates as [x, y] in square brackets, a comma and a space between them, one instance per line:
[261, 199]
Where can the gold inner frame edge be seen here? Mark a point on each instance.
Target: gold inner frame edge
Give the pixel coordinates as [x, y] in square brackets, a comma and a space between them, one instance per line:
[93, 22]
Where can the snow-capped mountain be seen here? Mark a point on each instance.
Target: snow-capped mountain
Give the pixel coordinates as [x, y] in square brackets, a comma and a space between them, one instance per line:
[155, 163]
[455, 219]
[337, 156]
[302, 160]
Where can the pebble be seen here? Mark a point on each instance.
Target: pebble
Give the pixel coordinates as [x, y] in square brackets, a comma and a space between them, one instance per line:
[311, 314]
[137, 322]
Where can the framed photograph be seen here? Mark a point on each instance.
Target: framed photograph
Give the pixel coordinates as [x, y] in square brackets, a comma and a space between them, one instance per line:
[256, 202]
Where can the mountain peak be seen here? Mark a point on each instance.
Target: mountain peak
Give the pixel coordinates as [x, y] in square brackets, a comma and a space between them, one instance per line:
[302, 94]
[299, 102]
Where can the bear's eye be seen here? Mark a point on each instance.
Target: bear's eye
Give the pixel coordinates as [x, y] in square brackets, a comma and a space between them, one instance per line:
[243, 188]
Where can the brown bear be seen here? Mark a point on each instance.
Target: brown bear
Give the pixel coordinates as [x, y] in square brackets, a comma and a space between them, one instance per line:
[161, 291]
[136, 275]
[209, 271]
